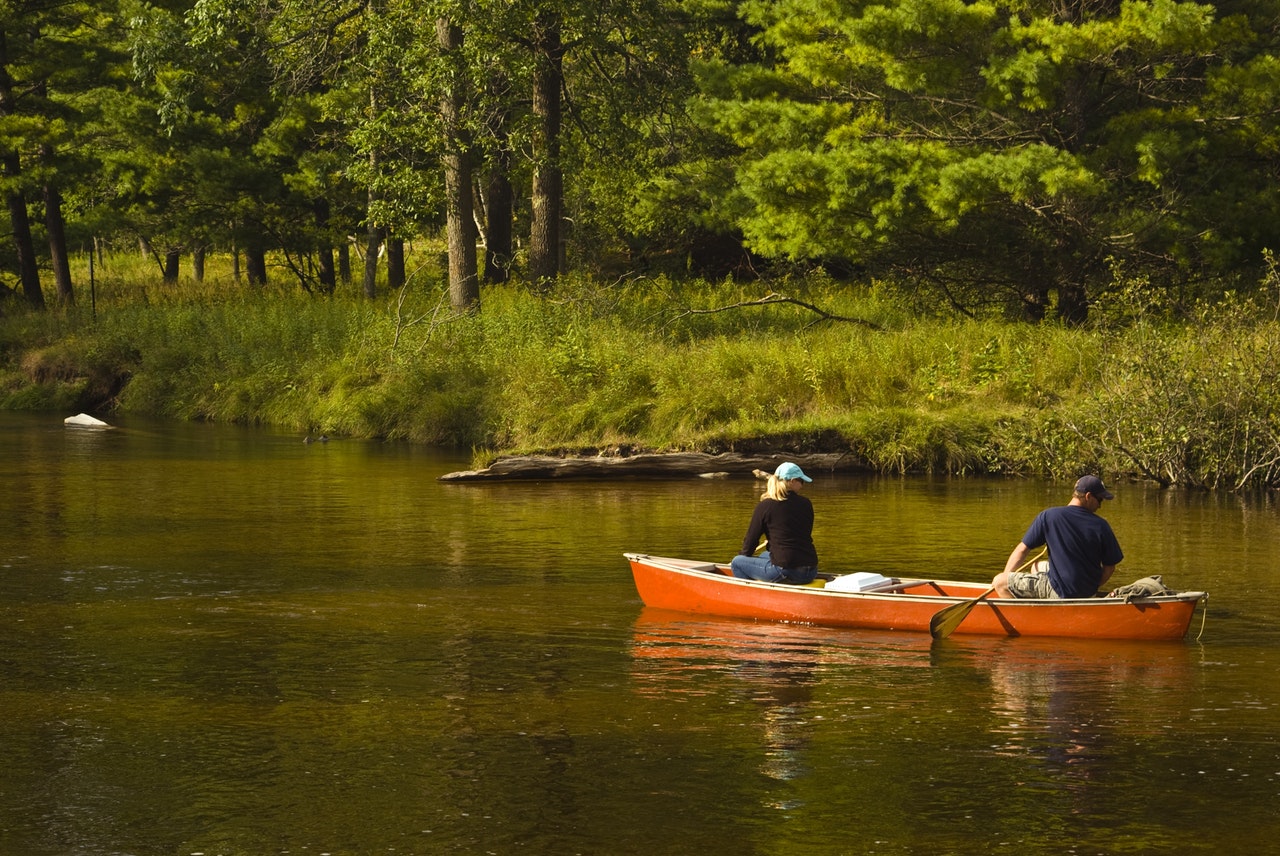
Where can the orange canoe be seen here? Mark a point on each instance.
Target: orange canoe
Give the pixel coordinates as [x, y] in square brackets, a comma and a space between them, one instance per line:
[904, 604]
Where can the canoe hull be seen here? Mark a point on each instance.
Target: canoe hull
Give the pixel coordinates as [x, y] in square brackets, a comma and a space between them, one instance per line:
[702, 587]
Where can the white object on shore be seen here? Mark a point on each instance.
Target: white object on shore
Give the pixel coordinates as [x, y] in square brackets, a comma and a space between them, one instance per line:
[84, 420]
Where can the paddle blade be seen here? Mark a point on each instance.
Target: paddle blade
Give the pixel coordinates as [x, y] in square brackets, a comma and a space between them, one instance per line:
[945, 620]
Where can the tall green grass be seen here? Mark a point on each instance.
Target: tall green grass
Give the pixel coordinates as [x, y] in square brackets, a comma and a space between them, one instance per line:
[658, 364]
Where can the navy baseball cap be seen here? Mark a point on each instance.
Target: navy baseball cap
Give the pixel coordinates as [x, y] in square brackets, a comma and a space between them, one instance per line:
[1093, 485]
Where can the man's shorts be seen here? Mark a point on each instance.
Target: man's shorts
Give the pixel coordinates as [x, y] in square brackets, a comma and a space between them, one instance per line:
[1032, 585]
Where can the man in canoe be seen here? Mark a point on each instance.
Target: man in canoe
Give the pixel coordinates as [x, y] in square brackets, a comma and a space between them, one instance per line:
[1083, 551]
[785, 519]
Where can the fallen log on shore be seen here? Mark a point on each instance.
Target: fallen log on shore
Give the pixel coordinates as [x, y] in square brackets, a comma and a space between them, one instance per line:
[652, 465]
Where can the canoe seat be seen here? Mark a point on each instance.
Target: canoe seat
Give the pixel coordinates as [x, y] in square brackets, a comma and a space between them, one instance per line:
[817, 582]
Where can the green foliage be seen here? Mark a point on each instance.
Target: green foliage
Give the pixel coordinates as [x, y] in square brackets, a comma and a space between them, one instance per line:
[1002, 152]
[982, 154]
[686, 365]
[909, 440]
[1192, 405]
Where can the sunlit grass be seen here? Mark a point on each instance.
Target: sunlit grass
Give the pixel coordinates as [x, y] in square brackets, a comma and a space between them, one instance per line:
[652, 363]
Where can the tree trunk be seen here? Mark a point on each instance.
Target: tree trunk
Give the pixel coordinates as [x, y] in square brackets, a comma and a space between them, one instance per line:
[197, 263]
[28, 267]
[61, 259]
[544, 467]
[464, 285]
[255, 265]
[544, 237]
[1071, 261]
[395, 263]
[500, 209]
[1073, 304]
[372, 243]
[55, 224]
[344, 261]
[499, 198]
[373, 233]
[1034, 303]
[172, 257]
[324, 246]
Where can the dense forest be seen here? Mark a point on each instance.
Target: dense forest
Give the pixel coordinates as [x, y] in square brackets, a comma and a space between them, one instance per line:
[991, 156]
[1004, 237]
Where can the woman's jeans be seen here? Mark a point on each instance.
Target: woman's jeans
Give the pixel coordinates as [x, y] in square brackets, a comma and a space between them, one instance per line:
[762, 568]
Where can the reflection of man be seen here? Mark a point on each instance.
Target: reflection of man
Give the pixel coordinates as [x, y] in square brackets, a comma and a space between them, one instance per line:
[1083, 551]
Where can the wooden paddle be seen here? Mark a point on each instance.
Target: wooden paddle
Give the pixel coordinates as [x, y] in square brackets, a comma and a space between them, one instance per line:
[948, 619]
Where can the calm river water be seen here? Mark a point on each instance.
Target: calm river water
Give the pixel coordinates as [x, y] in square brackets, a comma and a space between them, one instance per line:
[216, 640]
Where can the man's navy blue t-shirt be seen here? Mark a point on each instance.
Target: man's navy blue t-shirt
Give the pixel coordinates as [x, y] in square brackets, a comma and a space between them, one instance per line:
[1080, 543]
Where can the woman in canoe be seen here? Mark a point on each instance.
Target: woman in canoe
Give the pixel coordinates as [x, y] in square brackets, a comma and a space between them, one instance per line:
[784, 518]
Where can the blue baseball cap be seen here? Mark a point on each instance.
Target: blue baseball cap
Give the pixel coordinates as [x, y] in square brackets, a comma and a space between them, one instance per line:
[789, 471]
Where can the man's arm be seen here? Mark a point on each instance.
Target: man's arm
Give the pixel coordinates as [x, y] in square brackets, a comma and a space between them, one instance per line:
[1107, 571]
[1019, 553]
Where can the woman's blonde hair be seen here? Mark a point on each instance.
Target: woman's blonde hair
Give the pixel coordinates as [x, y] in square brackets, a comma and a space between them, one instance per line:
[776, 489]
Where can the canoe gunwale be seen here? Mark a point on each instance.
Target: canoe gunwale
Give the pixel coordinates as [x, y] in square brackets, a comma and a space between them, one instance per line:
[942, 600]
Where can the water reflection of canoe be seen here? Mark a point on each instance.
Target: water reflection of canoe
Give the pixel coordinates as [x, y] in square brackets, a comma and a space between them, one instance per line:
[662, 635]
[904, 604]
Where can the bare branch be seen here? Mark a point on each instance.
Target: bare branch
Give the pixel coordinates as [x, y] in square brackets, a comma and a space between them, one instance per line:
[773, 299]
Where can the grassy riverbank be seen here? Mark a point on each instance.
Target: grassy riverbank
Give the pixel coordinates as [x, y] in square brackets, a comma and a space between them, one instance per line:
[657, 364]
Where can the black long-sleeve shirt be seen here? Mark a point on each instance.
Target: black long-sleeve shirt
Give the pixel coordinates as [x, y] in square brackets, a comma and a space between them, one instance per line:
[788, 524]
